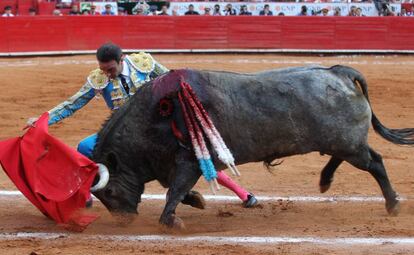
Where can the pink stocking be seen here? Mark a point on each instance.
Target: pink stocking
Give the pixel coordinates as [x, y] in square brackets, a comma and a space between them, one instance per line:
[224, 180]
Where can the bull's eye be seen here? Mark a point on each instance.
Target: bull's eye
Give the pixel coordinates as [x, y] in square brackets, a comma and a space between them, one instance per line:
[108, 192]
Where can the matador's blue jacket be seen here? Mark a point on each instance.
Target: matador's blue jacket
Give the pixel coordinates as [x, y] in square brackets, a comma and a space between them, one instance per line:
[142, 68]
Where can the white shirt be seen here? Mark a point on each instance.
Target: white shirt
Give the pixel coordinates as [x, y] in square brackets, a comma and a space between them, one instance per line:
[7, 15]
[126, 72]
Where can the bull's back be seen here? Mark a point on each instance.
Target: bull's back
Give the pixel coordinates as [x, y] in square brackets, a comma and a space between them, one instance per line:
[286, 112]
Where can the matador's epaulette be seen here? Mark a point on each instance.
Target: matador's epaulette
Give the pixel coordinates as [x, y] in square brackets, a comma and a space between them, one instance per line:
[142, 61]
[98, 79]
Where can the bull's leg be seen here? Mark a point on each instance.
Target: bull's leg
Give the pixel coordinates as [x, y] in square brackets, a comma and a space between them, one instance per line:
[328, 173]
[194, 199]
[376, 168]
[186, 176]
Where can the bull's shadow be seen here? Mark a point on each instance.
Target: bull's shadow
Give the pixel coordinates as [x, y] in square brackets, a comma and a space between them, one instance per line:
[261, 117]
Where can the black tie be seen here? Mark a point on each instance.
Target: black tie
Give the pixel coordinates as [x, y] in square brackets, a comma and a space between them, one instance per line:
[124, 84]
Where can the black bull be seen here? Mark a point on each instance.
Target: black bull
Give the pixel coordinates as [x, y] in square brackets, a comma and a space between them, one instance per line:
[261, 117]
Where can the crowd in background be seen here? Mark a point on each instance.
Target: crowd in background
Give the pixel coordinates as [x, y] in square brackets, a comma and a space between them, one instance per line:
[143, 8]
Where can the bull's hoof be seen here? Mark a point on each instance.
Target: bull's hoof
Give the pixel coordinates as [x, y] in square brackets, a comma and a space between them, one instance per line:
[324, 187]
[173, 222]
[194, 199]
[178, 223]
[393, 207]
[325, 184]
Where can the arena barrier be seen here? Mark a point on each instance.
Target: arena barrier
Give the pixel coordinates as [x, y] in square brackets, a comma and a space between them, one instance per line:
[43, 35]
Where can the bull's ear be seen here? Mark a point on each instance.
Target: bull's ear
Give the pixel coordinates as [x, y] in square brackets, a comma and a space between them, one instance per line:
[112, 161]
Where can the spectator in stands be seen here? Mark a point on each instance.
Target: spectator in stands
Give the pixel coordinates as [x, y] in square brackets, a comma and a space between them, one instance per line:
[337, 11]
[403, 12]
[32, 11]
[108, 10]
[378, 6]
[358, 12]
[86, 12]
[8, 11]
[122, 11]
[410, 11]
[153, 10]
[141, 8]
[303, 11]
[191, 11]
[139, 11]
[386, 10]
[74, 10]
[244, 11]
[217, 11]
[352, 11]
[229, 10]
[164, 10]
[382, 7]
[266, 11]
[57, 12]
[321, 12]
[207, 11]
[281, 14]
[316, 13]
[93, 10]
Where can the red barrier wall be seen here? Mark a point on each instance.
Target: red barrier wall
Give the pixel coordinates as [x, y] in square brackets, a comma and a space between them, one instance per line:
[70, 33]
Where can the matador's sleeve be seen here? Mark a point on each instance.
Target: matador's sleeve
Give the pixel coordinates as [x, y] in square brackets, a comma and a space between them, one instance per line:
[71, 105]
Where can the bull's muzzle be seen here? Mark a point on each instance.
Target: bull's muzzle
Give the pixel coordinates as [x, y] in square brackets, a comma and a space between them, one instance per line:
[103, 178]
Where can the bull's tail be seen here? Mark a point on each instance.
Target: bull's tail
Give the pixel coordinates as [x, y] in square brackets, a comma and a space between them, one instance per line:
[404, 136]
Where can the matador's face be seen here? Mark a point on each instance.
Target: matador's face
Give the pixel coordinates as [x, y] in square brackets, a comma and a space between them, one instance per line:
[111, 68]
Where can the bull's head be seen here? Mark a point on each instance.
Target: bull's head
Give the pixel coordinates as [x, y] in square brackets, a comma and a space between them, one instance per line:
[118, 188]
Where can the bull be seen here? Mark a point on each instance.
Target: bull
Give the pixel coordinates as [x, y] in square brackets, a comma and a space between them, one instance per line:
[262, 117]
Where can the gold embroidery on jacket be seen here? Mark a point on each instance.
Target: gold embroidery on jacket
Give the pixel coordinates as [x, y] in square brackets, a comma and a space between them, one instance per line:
[118, 103]
[142, 61]
[97, 79]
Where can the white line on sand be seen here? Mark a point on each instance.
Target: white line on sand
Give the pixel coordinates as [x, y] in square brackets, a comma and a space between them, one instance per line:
[13, 193]
[381, 60]
[214, 239]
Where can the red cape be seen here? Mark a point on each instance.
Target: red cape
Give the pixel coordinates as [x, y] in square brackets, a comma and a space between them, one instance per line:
[53, 176]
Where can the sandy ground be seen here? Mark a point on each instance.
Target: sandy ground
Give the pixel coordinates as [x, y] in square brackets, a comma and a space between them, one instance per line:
[31, 86]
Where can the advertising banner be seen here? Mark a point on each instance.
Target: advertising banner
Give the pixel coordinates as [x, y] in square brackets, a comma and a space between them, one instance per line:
[287, 9]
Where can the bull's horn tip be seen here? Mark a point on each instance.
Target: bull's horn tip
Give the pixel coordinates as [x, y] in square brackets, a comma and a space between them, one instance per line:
[103, 177]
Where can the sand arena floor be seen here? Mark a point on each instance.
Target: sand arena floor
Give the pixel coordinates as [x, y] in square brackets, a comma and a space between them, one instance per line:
[30, 86]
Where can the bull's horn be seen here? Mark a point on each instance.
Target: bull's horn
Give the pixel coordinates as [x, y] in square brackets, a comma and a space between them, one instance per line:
[103, 178]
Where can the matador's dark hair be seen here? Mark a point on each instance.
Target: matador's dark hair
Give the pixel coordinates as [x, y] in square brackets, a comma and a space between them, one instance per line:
[108, 52]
